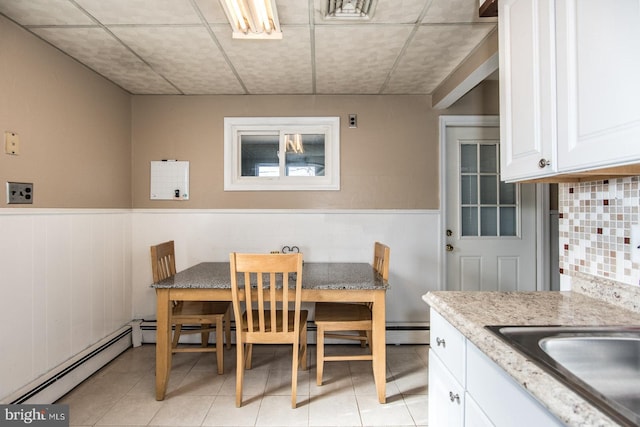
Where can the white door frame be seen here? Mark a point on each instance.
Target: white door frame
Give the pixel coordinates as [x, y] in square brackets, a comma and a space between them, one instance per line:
[542, 203]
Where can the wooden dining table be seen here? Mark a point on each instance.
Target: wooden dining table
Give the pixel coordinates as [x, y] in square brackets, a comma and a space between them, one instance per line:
[321, 282]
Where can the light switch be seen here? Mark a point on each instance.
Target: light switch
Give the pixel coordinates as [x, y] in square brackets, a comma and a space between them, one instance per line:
[11, 143]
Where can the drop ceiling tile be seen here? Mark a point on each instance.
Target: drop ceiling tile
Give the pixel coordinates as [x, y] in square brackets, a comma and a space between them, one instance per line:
[293, 12]
[454, 11]
[212, 11]
[98, 50]
[44, 12]
[186, 56]
[147, 12]
[357, 58]
[434, 52]
[389, 12]
[271, 66]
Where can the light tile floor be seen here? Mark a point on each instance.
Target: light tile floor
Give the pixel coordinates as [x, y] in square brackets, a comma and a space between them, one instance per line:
[122, 393]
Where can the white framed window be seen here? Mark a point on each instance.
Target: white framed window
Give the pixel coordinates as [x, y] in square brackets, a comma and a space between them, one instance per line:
[281, 153]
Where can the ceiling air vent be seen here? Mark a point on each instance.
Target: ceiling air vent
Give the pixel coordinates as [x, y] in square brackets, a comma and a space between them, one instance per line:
[349, 9]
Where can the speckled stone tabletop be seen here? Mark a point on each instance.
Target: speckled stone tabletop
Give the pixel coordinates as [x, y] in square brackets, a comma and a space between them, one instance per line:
[315, 275]
[592, 302]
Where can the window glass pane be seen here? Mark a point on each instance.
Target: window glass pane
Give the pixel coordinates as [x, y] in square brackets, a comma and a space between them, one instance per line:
[305, 155]
[468, 158]
[508, 221]
[488, 159]
[469, 189]
[259, 154]
[488, 189]
[507, 193]
[470, 221]
[488, 221]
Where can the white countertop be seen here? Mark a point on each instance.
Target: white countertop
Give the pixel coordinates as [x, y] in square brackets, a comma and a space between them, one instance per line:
[593, 302]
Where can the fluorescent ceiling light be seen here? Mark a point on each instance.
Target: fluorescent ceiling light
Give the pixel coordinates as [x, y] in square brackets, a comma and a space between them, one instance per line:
[253, 19]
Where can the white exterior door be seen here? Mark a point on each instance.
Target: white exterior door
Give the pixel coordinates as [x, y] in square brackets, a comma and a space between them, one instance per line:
[490, 225]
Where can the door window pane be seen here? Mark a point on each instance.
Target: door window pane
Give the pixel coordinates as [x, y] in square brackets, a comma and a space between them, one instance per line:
[469, 221]
[488, 189]
[489, 221]
[468, 158]
[488, 158]
[469, 189]
[507, 193]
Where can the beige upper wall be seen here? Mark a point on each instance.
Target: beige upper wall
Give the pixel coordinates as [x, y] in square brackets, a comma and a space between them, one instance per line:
[389, 162]
[74, 127]
[85, 143]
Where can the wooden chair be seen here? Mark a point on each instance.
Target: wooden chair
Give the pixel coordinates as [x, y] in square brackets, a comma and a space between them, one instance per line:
[347, 320]
[271, 316]
[208, 316]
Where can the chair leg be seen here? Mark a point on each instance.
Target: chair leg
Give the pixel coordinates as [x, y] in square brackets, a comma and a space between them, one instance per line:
[248, 356]
[303, 349]
[363, 342]
[176, 336]
[219, 346]
[294, 376]
[204, 340]
[227, 327]
[319, 354]
[239, 370]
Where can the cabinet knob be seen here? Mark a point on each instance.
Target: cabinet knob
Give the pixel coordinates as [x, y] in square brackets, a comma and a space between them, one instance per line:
[440, 342]
[449, 248]
[454, 397]
[543, 163]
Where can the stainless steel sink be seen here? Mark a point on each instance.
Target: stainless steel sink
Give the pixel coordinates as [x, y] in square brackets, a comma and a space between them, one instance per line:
[600, 363]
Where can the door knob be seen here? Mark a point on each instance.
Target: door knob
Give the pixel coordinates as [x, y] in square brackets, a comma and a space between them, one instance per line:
[449, 248]
[449, 233]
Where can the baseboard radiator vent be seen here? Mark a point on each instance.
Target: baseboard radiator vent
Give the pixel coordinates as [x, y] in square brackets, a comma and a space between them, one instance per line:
[51, 386]
[396, 333]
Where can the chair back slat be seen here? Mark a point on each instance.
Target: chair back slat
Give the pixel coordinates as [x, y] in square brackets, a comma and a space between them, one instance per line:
[381, 254]
[163, 261]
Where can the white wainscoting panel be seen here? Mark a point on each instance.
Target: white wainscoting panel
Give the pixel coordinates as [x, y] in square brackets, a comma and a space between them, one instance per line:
[66, 284]
[209, 235]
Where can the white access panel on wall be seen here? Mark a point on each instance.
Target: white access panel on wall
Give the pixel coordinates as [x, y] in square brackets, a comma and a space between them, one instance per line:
[169, 180]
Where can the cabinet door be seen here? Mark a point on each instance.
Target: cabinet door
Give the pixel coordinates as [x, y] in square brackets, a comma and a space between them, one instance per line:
[473, 415]
[598, 58]
[527, 88]
[446, 395]
[503, 400]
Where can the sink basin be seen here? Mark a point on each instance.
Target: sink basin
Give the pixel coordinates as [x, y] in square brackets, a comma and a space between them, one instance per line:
[600, 363]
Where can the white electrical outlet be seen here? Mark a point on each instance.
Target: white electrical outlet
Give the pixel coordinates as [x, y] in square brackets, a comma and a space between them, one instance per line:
[635, 243]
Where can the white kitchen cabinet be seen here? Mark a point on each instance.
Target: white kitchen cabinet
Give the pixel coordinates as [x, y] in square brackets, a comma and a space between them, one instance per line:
[501, 398]
[446, 395]
[527, 89]
[485, 395]
[568, 86]
[598, 64]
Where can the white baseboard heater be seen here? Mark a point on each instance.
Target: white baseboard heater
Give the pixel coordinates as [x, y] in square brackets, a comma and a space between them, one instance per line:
[51, 386]
[396, 333]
